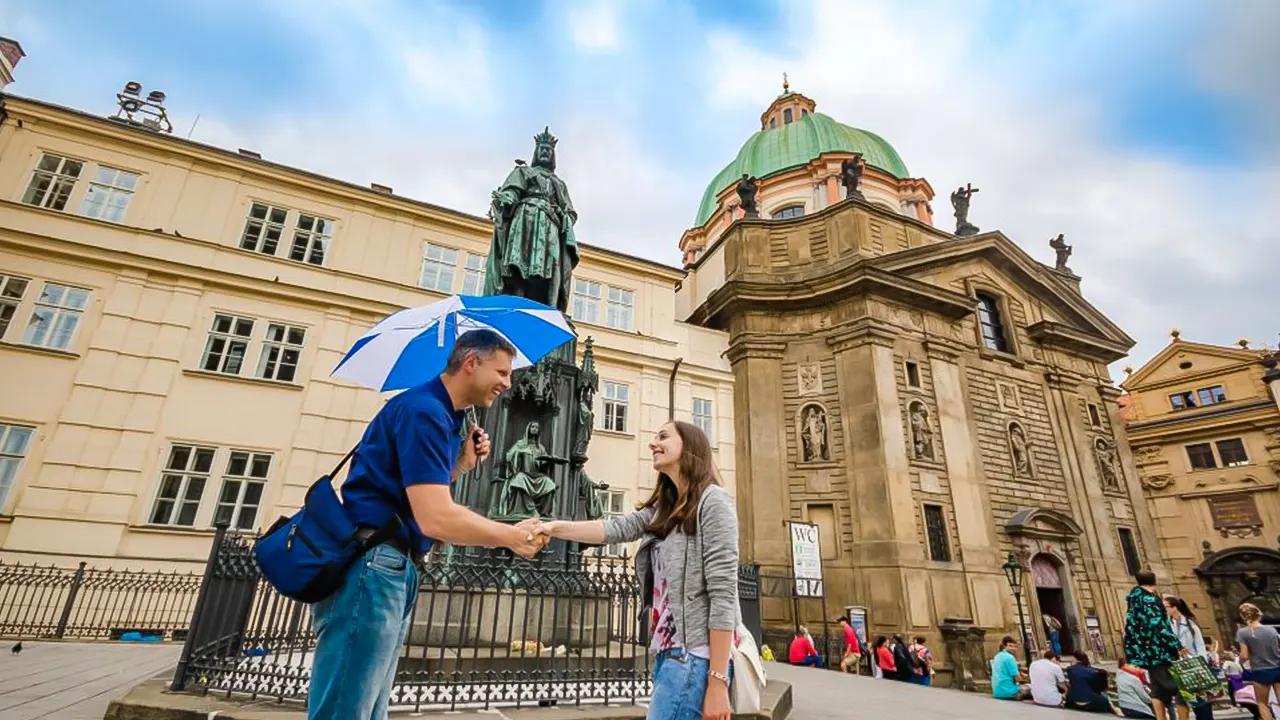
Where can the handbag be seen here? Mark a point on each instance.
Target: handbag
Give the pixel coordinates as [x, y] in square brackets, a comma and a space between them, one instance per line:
[1193, 675]
[746, 682]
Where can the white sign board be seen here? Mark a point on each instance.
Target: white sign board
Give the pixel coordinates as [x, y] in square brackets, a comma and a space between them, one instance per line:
[806, 559]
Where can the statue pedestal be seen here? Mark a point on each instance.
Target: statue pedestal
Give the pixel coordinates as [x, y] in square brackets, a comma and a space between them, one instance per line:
[962, 642]
[966, 229]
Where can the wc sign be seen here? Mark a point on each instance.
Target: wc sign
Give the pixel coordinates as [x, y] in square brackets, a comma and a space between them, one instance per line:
[806, 559]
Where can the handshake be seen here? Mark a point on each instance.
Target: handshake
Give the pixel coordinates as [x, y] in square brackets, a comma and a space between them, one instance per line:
[529, 536]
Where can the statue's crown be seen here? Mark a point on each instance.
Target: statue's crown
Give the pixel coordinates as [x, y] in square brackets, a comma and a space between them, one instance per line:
[545, 137]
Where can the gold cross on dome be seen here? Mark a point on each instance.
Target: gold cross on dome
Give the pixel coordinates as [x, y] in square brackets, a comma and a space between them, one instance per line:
[786, 85]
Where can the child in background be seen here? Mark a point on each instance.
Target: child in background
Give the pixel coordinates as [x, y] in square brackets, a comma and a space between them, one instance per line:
[1233, 672]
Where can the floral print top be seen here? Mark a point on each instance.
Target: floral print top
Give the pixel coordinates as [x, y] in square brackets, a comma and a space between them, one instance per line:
[663, 633]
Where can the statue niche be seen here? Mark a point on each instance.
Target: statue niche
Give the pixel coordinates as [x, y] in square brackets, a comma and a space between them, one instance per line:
[1020, 451]
[811, 429]
[1104, 451]
[921, 432]
[527, 489]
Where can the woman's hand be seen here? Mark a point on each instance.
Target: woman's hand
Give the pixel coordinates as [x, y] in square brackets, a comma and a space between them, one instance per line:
[715, 705]
[549, 527]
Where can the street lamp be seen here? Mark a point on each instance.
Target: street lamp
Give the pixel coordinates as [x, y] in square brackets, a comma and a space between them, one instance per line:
[1013, 573]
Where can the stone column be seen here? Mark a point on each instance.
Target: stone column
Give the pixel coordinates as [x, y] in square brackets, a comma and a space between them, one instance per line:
[760, 422]
[1132, 484]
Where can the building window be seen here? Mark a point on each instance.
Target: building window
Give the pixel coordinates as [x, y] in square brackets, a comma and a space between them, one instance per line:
[109, 193]
[182, 485]
[993, 334]
[621, 315]
[14, 441]
[52, 182]
[935, 528]
[786, 116]
[438, 264]
[614, 503]
[616, 397]
[790, 211]
[586, 301]
[228, 343]
[57, 313]
[1232, 453]
[311, 239]
[11, 291]
[913, 374]
[773, 123]
[263, 228]
[1211, 395]
[1201, 456]
[1129, 548]
[280, 352]
[703, 417]
[1182, 400]
[473, 274]
[803, 113]
[1095, 417]
[242, 486]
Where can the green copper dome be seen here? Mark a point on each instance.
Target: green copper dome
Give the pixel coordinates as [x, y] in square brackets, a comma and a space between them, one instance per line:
[793, 145]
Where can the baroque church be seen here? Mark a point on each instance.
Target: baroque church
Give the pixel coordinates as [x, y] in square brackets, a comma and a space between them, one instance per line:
[934, 401]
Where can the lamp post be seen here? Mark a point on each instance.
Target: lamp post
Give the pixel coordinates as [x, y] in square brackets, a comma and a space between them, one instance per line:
[1013, 573]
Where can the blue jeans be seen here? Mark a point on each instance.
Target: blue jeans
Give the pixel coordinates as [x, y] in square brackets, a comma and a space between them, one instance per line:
[811, 661]
[360, 629]
[679, 686]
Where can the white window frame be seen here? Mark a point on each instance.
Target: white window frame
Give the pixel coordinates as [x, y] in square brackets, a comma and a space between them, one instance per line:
[229, 338]
[12, 289]
[620, 309]
[185, 477]
[245, 480]
[615, 402]
[281, 349]
[61, 182]
[312, 236]
[15, 440]
[109, 193]
[444, 261]
[586, 300]
[66, 309]
[607, 502]
[705, 417]
[264, 226]
[473, 272]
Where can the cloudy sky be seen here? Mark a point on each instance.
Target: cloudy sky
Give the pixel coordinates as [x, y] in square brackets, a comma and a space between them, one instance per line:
[1148, 131]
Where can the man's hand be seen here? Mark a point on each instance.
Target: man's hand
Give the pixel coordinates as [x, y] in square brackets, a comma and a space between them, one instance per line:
[525, 540]
[475, 448]
[541, 533]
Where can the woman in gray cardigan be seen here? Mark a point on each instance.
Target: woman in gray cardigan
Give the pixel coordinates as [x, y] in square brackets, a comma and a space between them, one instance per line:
[688, 560]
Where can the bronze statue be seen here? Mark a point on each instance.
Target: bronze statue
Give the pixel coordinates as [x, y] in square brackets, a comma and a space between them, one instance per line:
[527, 491]
[533, 252]
[589, 493]
[960, 200]
[588, 385]
[851, 176]
[747, 189]
[1063, 250]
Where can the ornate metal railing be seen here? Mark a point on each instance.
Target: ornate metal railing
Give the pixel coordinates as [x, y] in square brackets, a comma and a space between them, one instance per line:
[89, 603]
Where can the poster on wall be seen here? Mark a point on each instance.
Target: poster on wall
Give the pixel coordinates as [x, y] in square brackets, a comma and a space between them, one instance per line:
[1093, 627]
[858, 621]
[806, 559]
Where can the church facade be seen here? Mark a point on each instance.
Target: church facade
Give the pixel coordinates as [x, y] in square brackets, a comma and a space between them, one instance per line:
[932, 402]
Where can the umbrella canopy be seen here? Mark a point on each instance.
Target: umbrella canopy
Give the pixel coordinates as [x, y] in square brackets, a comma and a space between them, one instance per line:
[412, 346]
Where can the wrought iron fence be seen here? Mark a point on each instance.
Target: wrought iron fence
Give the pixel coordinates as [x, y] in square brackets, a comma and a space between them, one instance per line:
[94, 604]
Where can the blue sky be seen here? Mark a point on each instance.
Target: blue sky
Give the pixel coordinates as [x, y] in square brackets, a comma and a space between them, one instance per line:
[1144, 130]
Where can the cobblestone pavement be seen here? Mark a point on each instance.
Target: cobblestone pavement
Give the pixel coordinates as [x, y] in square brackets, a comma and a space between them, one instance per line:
[74, 681]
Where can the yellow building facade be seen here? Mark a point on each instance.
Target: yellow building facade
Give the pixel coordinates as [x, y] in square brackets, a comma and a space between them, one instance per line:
[170, 313]
[1204, 423]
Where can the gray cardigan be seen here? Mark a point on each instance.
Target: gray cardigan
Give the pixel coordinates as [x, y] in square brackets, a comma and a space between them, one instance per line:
[708, 584]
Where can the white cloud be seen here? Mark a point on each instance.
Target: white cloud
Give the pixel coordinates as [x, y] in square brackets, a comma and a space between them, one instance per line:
[594, 25]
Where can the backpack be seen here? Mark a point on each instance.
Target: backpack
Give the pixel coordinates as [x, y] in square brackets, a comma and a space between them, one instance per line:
[305, 556]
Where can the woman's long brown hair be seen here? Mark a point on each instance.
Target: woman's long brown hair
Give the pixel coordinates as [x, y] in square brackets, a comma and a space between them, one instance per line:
[671, 508]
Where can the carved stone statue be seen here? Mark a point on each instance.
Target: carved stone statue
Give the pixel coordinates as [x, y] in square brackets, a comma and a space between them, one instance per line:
[527, 490]
[1063, 250]
[813, 434]
[1105, 452]
[1020, 449]
[747, 189]
[960, 200]
[809, 376]
[921, 433]
[588, 385]
[851, 176]
[533, 251]
[589, 493]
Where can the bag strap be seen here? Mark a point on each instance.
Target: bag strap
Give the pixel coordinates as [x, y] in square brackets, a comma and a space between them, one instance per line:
[388, 529]
[342, 463]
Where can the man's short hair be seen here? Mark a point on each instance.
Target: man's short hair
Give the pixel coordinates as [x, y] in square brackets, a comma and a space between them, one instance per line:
[481, 343]
[1145, 577]
[842, 619]
[1050, 655]
[1007, 639]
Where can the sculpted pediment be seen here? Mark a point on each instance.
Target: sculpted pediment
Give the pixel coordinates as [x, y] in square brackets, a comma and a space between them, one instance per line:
[1181, 359]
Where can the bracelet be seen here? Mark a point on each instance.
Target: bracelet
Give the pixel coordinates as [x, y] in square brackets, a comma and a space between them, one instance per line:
[719, 676]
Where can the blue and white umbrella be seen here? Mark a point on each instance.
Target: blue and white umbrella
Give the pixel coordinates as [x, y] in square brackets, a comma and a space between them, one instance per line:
[412, 346]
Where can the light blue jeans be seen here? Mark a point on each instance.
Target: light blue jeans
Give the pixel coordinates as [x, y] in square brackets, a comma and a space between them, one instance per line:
[679, 686]
[360, 629]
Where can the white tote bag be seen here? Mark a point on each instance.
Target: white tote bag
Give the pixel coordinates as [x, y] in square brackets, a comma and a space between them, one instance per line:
[748, 674]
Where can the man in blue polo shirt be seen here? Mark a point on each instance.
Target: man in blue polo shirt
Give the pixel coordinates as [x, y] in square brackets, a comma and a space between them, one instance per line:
[410, 454]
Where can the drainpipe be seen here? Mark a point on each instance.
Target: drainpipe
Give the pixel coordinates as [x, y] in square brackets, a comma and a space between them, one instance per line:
[671, 390]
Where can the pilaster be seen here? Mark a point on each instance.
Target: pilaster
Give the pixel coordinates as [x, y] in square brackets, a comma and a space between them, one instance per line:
[763, 494]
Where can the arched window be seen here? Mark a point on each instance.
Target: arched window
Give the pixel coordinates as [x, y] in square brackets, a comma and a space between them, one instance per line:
[773, 123]
[804, 114]
[786, 116]
[790, 211]
[993, 331]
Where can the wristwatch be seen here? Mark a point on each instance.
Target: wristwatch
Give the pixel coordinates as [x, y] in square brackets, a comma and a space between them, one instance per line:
[719, 676]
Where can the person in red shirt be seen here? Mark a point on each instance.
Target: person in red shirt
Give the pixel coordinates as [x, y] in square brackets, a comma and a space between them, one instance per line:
[802, 650]
[852, 648]
[884, 658]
